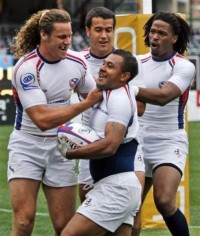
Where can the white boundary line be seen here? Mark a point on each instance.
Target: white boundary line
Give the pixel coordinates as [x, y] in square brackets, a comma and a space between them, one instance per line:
[46, 214]
[194, 227]
[37, 213]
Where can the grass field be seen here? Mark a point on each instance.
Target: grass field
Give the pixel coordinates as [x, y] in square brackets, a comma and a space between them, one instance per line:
[43, 225]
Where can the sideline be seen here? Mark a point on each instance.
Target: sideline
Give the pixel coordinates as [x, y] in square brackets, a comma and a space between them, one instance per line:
[46, 214]
[37, 213]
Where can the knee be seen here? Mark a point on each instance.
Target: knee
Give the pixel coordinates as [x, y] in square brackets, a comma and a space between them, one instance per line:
[24, 225]
[165, 205]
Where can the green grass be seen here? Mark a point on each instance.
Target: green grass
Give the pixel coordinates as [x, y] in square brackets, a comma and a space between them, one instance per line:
[43, 225]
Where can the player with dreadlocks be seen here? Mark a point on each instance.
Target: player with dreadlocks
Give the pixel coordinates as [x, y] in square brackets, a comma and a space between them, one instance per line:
[167, 76]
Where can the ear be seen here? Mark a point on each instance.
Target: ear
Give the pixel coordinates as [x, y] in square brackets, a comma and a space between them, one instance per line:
[87, 30]
[174, 39]
[43, 35]
[125, 76]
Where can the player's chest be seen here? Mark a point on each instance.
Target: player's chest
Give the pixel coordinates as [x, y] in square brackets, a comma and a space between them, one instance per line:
[99, 115]
[58, 78]
[155, 74]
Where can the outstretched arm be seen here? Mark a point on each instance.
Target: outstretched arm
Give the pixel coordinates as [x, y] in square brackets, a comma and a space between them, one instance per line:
[46, 118]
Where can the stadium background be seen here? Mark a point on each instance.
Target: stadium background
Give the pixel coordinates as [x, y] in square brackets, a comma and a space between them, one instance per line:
[13, 13]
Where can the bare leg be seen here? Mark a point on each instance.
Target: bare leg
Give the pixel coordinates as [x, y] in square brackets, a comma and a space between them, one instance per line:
[123, 230]
[62, 205]
[166, 180]
[146, 184]
[80, 225]
[23, 194]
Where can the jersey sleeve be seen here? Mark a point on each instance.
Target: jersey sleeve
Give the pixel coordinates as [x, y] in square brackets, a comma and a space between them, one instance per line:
[183, 74]
[26, 84]
[139, 79]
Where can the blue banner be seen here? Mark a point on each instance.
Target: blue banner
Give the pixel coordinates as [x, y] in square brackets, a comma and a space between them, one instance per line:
[6, 61]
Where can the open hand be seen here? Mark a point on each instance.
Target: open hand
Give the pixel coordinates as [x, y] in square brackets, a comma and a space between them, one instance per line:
[63, 146]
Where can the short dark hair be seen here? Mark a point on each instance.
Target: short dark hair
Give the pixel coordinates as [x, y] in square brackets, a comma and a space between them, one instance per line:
[179, 26]
[129, 64]
[101, 12]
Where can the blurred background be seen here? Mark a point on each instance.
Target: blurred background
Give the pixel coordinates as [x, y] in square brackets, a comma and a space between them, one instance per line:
[13, 13]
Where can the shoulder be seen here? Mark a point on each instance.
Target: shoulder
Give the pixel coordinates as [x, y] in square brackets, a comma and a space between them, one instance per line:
[182, 62]
[182, 59]
[27, 62]
[117, 99]
[119, 93]
[86, 52]
[144, 57]
[77, 57]
[74, 53]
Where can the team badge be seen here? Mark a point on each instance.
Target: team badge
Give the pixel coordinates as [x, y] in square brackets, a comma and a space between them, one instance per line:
[88, 202]
[73, 82]
[140, 158]
[161, 83]
[177, 152]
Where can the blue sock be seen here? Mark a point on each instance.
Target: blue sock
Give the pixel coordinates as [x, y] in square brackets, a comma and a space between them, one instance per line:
[177, 224]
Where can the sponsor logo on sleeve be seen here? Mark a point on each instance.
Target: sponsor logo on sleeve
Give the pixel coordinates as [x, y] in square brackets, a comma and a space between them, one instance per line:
[28, 81]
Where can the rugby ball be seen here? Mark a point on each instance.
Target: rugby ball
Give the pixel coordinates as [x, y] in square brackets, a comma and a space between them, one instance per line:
[77, 134]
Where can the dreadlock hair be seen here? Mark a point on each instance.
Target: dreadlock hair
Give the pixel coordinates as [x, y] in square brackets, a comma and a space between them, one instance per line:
[179, 26]
[28, 37]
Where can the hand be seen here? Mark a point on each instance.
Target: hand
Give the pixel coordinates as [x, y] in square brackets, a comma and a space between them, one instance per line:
[94, 96]
[62, 146]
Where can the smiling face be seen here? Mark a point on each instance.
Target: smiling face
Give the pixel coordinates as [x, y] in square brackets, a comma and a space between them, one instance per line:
[101, 35]
[53, 47]
[110, 74]
[161, 38]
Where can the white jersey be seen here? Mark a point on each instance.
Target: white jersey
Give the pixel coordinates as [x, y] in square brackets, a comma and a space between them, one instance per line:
[95, 63]
[118, 105]
[37, 81]
[177, 70]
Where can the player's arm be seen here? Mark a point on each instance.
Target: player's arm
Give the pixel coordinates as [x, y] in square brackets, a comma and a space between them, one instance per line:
[180, 81]
[46, 118]
[162, 96]
[141, 106]
[114, 134]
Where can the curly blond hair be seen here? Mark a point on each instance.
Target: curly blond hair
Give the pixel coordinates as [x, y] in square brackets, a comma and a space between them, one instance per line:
[28, 37]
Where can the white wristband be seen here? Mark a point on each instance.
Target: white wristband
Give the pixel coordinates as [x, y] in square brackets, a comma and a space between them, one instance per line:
[135, 90]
